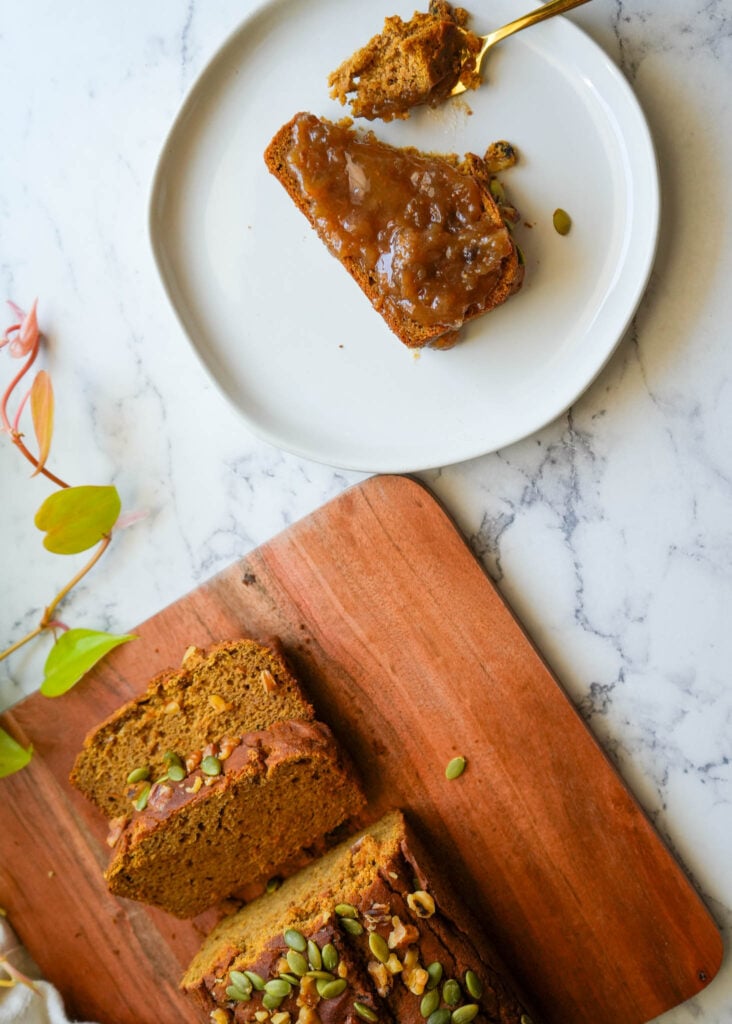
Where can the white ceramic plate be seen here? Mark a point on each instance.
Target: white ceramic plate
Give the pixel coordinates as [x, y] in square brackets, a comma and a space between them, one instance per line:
[289, 337]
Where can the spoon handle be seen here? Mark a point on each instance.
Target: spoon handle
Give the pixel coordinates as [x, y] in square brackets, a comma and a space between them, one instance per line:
[540, 14]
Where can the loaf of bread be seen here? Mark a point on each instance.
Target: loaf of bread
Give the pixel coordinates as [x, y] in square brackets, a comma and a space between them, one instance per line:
[408, 64]
[253, 803]
[234, 688]
[361, 934]
[419, 233]
[215, 779]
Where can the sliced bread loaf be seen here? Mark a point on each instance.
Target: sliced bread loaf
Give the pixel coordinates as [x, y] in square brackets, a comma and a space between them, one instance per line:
[253, 803]
[419, 233]
[361, 934]
[234, 688]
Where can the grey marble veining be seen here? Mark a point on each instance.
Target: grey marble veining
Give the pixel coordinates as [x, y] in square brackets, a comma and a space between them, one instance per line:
[608, 532]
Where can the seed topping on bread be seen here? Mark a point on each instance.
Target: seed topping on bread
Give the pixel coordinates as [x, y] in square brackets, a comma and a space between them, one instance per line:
[360, 935]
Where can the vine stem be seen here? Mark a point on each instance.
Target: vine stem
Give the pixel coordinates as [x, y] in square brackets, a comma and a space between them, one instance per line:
[47, 620]
[15, 436]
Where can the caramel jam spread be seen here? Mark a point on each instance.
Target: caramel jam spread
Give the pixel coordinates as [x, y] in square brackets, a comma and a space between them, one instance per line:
[415, 223]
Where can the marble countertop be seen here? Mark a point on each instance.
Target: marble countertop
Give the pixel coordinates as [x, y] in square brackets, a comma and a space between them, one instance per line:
[608, 531]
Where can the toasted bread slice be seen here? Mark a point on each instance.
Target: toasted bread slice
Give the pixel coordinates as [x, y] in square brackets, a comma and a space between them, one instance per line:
[419, 233]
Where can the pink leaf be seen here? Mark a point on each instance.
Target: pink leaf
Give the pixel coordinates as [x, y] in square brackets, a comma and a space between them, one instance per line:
[22, 337]
[130, 518]
[41, 399]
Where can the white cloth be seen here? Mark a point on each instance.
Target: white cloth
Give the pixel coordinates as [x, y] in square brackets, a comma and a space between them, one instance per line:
[21, 1004]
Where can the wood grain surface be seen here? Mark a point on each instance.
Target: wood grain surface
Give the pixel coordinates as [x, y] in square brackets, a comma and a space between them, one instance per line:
[410, 654]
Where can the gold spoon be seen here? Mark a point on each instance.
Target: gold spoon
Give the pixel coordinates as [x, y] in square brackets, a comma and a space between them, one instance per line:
[541, 14]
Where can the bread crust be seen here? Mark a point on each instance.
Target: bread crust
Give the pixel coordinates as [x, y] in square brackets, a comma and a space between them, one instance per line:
[410, 332]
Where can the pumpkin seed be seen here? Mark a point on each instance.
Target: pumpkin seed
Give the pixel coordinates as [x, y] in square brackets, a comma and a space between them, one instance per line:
[345, 910]
[497, 190]
[562, 222]
[241, 981]
[473, 984]
[142, 798]
[379, 947]
[278, 987]
[273, 884]
[455, 768]
[170, 757]
[330, 956]
[256, 979]
[234, 992]
[435, 975]
[211, 765]
[351, 926]
[322, 975]
[525, 1019]
[430, 1002]
[270, 1002]
[297, 962]
[365, 1012]
[439, 1017]
[451, 992]
[296, 940]
[292, 978]
[176, 773]
[464, 1014]
[138, 775]
[314, 956]
[331, 989]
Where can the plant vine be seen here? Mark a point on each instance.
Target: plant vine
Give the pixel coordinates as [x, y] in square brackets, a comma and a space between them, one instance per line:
[73, 520]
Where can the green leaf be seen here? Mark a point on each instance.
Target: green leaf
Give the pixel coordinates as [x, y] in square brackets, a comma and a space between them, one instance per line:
[41, 399]
[76, 518]
[13, 757]
[73, 654]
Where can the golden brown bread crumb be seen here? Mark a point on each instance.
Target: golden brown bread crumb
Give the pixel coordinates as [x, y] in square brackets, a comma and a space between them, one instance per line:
[278, 790]
[375, 928]
[408, 64]
[175, 713]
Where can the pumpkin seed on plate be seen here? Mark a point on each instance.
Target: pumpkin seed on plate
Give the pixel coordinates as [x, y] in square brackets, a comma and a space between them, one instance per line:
[562, 222]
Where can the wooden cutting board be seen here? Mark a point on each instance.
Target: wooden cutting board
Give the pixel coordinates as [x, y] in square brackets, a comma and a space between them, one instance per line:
[411, 655]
